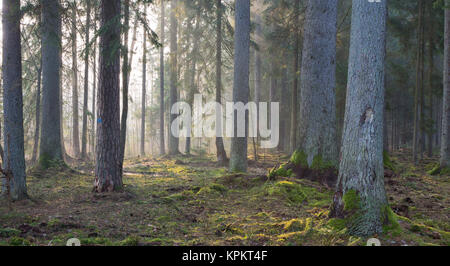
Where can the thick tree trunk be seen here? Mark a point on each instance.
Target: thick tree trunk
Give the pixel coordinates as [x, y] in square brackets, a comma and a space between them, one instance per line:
[221, 154]
[86, 82]
[75, 115]
[173, 140]
[238, 157]
[12, 101]
[445, 139]
[317, 125]
[162, 149]
[108, 170]
[50, 148]
[360, 195]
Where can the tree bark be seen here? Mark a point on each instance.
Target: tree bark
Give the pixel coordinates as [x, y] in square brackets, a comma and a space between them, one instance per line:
[360, 195]
[162, 149]
[144, 88]
[86, 82]
[38, 114]
[50, 148]
[173, 140]
[238, 157]
[294, 107]
[418, 95]
[445, 139]
[221, 153]
[75, 115]
[125, 76]
[317, 125]
[192, 85]
[12, 101]
[108, 170]
[94, 88]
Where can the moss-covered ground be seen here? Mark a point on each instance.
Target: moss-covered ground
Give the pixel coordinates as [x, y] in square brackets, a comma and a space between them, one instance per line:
[191, 201]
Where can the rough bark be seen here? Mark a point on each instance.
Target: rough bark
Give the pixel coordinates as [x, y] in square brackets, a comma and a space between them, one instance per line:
[192, 86]
[238, 157]
[418, 94]
[108, 170]
[221, 154]
[317, 124]
[125, 77]
[445, 139]
[144, 88]
[75, 115]
[86, 82]
[294, 108]
[12, 101]
[94, 88]
[173, 140]
[258, 77]
[37, 128]
[285, 114]
[50, 148]
[162, 149]
[360, 195]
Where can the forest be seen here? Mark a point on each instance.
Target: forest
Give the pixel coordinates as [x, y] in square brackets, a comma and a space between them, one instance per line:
[225, 122]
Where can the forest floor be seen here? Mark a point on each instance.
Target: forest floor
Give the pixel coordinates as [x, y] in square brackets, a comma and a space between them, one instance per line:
[191, 201]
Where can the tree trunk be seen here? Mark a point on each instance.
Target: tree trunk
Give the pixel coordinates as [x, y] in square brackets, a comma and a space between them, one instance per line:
[75, 116]
[417, 143]
[445, 139]
[258, 77]
[12, 101]
[430, 129]
[221, 154]
[162, 149]
[360, 195]
[108, 170]
[38, 114]
[285, 114]
[317, 125]
[173, 140]
[50, 148]
[294, 108]
[86, 82]
[94, 88]
[192, 85]
[238, 157]
[144, 84]
[125, 76]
